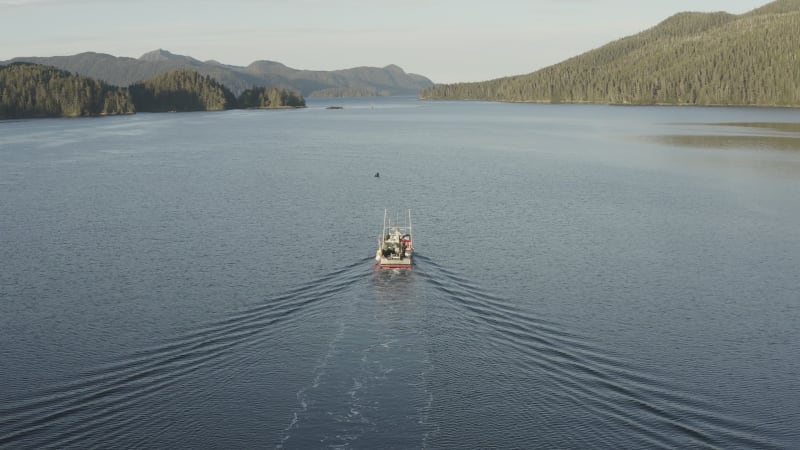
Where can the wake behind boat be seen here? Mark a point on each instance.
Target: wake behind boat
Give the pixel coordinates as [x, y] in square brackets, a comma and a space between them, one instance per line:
[395, 242]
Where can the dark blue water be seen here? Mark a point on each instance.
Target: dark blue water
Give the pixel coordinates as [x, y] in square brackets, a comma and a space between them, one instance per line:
[205, 280]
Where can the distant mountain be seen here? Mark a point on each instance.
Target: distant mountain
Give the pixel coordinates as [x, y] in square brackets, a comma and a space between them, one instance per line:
[161, 55]
[122, 71]
[688, 59]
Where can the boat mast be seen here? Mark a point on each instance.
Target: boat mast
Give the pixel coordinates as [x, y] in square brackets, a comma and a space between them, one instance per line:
[410, 234]
[383, 232]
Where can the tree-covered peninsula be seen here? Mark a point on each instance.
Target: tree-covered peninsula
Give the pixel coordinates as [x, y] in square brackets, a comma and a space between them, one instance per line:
[181, 90]
[30, 90]
[270, 98]
[688, 59]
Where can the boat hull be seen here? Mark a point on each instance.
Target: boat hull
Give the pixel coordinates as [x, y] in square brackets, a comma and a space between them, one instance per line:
[392, 263]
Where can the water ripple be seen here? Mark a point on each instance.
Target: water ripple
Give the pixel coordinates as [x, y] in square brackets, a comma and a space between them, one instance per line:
[660, 412]
[96, 405]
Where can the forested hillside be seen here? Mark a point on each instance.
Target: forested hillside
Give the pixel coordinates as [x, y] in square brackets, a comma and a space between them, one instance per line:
[29, 90]
[689, 59]
[181, 90]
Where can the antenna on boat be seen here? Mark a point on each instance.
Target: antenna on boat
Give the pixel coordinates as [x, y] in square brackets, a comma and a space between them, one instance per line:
[410, 232]
[383, 231]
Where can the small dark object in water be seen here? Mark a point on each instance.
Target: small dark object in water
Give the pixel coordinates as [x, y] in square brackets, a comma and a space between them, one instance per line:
[377, 174]
[335, 107]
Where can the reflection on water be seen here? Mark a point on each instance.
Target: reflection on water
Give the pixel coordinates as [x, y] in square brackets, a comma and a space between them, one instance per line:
[776, 126]
[757, 135]
[732, 141]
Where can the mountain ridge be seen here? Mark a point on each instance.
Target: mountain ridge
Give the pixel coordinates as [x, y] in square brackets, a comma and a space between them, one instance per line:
[124, 71]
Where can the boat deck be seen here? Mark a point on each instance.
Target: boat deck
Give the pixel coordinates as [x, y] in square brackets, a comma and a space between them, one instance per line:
[395, 244]
[391, 263]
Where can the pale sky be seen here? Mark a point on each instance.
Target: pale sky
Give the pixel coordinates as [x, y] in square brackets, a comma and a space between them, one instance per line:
[447, 40]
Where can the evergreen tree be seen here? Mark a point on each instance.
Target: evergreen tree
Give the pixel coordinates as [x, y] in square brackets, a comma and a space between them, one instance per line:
[31, 90]
[181, 90]
[262, 97]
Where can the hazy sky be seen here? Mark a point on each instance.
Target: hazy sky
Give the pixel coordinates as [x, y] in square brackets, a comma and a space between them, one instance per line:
[447, 40]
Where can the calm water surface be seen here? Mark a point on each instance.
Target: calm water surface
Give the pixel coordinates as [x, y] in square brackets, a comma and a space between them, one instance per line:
[586, 277]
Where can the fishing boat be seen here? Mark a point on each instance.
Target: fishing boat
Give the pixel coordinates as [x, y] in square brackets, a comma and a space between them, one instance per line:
[395, 244]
